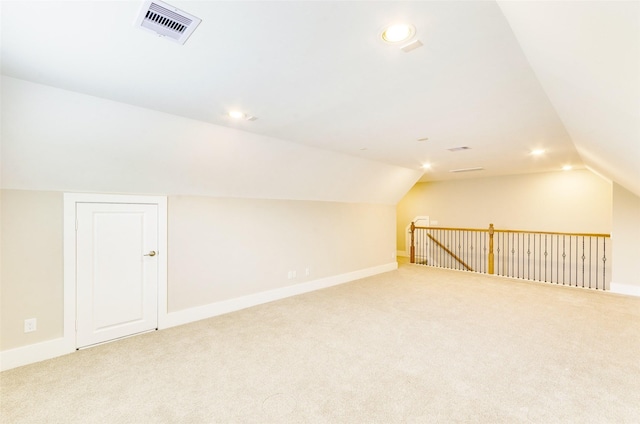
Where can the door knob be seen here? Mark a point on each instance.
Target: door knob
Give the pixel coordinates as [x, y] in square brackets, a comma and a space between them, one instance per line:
[152, 253]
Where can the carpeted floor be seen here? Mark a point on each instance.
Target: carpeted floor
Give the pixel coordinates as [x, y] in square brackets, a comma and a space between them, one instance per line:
[417, 345]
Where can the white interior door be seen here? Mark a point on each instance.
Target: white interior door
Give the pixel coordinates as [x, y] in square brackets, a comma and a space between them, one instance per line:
[116, 271]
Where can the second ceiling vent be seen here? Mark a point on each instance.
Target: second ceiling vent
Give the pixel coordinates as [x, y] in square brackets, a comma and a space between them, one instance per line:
[167, 21]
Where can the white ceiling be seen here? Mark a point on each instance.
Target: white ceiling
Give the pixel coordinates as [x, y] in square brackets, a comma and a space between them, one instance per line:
[316, 73]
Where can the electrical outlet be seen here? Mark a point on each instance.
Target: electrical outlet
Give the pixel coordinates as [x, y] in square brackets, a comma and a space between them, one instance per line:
[307, 272]
[30, 325]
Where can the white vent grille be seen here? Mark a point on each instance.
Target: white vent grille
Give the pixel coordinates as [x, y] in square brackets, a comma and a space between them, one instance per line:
[167, 21]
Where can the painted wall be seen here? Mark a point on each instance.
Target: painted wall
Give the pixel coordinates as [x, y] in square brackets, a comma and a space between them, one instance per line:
[244, 209]
[225, 248]
[57, 140]
[219, 249]
[31, 271]
[576, 201]
[625, 235]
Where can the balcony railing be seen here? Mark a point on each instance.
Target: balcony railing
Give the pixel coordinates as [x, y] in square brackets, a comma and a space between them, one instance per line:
[572, 259]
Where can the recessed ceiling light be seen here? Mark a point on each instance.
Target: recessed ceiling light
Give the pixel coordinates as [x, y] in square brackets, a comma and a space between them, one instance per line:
[240, 116]
[236, 114]
[397, 33]
[537, 152]
[426, 166]
[567, 168]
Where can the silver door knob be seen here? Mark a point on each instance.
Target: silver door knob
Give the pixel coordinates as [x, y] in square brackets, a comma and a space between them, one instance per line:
[152, 253]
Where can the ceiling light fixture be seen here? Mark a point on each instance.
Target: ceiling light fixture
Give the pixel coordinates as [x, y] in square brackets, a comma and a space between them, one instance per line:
[397, 33]
[567, 168]
[426, 166]
[236, 114]
[240, 116]
[537, 152]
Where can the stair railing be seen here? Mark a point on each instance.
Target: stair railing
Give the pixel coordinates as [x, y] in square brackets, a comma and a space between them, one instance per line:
[573, 259]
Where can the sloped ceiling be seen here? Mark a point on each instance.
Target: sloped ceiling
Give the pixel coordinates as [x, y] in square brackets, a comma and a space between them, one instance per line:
[587, 58]
[319, 79]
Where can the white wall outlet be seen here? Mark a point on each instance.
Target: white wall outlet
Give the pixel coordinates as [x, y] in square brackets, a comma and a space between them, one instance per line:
[291, 274]
[30, 325]
[307, 272]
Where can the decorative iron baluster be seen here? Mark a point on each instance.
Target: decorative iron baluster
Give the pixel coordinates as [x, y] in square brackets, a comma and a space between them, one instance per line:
[557, 259]
[596, 261]
[545, 258]
[590, 256]
[564, 256]
[604, 264]
[583, 258]
[528, 256]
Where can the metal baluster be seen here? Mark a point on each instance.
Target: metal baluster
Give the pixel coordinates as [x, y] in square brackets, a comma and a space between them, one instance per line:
[528, 256]
[558, 256]
[590, 256]
[604, 263]
[583, 258]
[564, 256]
[596, 261]
[545, 258]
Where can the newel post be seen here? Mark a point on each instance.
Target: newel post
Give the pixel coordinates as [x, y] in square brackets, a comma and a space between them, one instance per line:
[412, 255]
[491, 256]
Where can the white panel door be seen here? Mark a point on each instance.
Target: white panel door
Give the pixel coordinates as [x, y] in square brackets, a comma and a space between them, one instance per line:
[116, 271]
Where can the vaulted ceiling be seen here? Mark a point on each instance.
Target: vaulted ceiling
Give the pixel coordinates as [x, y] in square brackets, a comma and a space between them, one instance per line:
[497, 78]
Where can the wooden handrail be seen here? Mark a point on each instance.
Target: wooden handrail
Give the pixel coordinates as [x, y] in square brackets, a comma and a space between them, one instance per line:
[451, 228]
[449, 252]
[515, 231]
[554, 233]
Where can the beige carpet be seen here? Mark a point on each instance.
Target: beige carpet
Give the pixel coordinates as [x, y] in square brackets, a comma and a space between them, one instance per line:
[417, 345]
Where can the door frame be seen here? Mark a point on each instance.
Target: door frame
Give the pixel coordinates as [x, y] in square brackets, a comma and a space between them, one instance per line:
[69, 239]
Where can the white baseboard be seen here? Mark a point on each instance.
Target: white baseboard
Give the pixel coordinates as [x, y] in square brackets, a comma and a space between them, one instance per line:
[627, 289]
[37, 352]
[223, 307]
[402, 253]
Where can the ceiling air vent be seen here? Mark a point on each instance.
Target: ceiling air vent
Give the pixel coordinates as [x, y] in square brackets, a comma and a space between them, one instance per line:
[458, 149]
[167, 21]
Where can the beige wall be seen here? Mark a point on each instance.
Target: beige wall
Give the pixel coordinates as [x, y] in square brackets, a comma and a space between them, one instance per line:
[576, 201]
[218, 249]
[625, 236]
[32, 279]
[225, 248]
